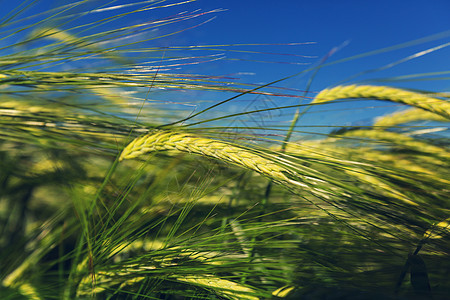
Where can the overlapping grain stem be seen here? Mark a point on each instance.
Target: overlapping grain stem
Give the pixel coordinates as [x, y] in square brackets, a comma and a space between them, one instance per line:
[165, 140]
[438, 106]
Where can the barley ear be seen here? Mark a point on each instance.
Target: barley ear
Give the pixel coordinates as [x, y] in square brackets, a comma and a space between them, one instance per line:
[400, 140]
[439, 230]
[230, 289]
[408, 115]
[163, 140]
[434, 105]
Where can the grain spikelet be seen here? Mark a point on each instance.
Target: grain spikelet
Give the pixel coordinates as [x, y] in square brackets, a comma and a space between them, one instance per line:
[229, 288]
[323, 150]
[29, 291]
[418, 100]
[383, 187]
[129, 276]
[353, 168]
[65, 37]
[104, 280]
[14, 107]
[402, 163]
[56, 34]
[209, 257]
[282, 292]
[438, 230]
[353, 161]
[401, 140]
[113, 95]
[406, 116]
[162, 140]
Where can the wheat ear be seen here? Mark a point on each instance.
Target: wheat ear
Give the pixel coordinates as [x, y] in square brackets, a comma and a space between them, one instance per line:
[408, 115]
[162, 140]
[418, 100]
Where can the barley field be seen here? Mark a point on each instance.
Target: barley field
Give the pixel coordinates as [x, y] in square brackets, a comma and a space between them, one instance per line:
[112, 189]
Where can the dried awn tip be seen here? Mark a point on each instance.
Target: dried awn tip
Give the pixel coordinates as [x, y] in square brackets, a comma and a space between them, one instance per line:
[418, 100]
[163, 140]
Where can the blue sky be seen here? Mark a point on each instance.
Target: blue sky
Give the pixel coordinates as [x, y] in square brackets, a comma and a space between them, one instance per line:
[365, 25]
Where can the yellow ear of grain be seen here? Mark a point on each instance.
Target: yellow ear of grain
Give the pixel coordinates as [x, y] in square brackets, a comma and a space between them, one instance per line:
[282, 292]
[401, 140]
[163, 140]
[29, 291]
[229, 288]
[438, 230]
[434, 105]
[383, 187]
[409, 115]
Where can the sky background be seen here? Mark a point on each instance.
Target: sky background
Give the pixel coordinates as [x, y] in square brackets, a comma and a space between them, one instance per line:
[354, 27]
[364, 25]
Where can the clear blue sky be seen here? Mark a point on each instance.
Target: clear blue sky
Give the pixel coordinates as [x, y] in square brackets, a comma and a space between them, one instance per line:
[367, 25]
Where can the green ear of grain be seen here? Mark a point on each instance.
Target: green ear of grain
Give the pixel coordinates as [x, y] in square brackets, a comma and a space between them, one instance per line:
[162, 140]
[434, 105]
